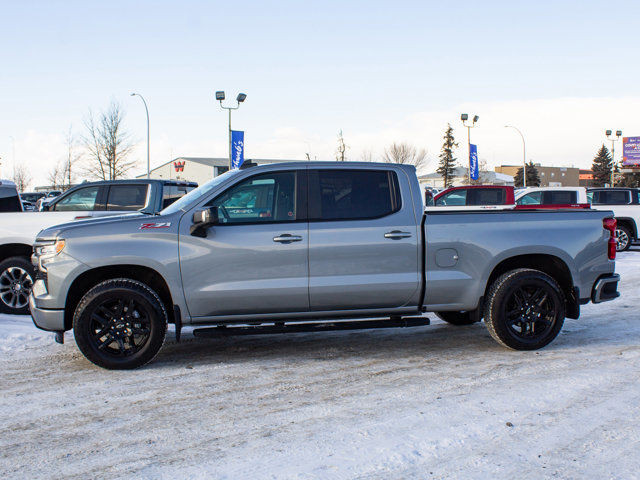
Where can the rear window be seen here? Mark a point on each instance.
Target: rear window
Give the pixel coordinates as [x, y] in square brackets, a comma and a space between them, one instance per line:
[560, 198]
[352, 194]
[9, 200]
[611, 197]
[127, 197]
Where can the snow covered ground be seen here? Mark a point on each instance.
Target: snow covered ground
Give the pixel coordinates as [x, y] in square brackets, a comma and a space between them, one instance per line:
[428, 402]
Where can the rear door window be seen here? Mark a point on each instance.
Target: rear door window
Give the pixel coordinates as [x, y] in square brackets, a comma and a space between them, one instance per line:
[83, 199]
[127, 197]
[560, 198]
[611, 197]
[171, 193]
[486, 196]
[343, 194]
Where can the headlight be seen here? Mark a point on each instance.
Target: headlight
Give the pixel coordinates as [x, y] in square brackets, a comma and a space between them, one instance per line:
[50, 249]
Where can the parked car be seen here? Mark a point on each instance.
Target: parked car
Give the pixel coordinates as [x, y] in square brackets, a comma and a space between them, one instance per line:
[283, 243]
[552, 197]
[47, 199]
[9, 198]
[18, 230]
[30, 200]
[473, 197]
[625, 204]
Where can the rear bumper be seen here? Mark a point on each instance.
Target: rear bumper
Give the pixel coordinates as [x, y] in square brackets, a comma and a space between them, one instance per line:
[46, 319]
[605, 288]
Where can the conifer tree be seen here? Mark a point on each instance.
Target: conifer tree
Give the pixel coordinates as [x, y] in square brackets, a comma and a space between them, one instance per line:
[602, 167]
[533, 177]
[447, 160]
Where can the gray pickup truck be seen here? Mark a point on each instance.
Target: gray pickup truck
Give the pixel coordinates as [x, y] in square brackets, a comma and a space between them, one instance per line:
[289, 243]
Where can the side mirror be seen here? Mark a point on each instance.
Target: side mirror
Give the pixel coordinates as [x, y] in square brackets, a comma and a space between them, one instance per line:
[203, 219]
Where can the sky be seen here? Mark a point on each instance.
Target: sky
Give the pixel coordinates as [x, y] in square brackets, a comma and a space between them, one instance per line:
[381, 72]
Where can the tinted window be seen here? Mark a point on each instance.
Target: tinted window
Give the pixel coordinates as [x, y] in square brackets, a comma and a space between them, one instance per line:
[611, 197]
[455, 198]
[533, 198]
[270, 197]
[352, 194]
[171, 193]
[9, 200]
[127, 197]
[560, 198]
[486, 196]
[82, 199]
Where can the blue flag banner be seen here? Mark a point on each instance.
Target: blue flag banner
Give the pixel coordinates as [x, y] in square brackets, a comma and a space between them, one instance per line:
[237, 148]
[473, 161]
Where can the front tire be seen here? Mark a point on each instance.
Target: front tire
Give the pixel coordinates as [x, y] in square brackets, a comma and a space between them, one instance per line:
[623, 238]
[120, 324]
[525, 309]
[16, 281]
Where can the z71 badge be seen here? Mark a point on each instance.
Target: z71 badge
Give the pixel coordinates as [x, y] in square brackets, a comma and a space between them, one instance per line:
[153, 226]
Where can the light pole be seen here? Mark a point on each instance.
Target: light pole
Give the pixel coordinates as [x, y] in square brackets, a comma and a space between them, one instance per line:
[146, 110]
[464, 117]
[613, 139]
[524, 155]
[239, 99]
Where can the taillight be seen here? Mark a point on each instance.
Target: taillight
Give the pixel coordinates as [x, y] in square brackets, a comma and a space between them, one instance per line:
[610, 224]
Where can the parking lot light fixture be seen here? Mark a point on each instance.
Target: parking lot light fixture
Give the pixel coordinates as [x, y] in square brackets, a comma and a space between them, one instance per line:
[524, 155]
[220, 96]
[464, 117]
[613, 139]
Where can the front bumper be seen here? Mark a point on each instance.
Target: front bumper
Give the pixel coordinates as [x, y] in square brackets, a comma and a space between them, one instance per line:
[605, 288]
[46, 319]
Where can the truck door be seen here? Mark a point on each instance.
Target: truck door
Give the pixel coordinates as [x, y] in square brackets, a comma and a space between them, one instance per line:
[256, 259]
[363, 239]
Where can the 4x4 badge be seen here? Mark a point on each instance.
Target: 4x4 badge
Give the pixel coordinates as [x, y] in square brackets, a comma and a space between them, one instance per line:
[152, 226]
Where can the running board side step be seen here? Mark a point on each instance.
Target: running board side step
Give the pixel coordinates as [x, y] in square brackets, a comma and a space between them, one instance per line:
[280, 327]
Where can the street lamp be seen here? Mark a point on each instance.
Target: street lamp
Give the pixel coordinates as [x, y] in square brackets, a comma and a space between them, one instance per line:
[464, 117]
[146, 110]
[239, 99]
[524, 155]
[613, 139]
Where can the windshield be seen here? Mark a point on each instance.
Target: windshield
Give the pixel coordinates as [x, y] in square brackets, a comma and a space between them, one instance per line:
[199, 192]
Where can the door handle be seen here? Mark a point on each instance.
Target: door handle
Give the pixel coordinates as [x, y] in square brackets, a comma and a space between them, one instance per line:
[397, 235]
[287, 238]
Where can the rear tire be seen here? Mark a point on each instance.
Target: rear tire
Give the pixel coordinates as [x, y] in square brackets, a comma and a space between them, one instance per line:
[525, 309]
[17, 275]
[623, 236]
[120, 324]
[459, 318]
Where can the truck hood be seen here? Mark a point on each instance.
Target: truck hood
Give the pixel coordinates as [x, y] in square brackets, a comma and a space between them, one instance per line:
[67, 229]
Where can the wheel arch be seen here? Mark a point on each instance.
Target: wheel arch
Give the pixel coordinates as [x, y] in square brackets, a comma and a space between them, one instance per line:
[15, 250]
[89, 279]
[552, 265]
[630, 224]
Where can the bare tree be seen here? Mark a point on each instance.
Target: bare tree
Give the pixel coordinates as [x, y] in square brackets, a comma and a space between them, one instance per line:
[405, 154]
[342, 148]
[108, 145]
[56, 177]
[366, 156]
[21, 177]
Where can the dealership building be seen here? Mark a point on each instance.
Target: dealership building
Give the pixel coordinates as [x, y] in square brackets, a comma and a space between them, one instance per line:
[199, 169]
[549, 176]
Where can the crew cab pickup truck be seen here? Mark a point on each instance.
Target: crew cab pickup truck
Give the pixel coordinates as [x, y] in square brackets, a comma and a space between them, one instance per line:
[294, 242]
[552, 197]
[95, 199]
[475, 197]
[625, 204]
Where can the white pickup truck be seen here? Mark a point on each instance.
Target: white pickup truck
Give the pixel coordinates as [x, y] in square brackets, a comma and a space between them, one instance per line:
[18, 230]
[625, 204]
